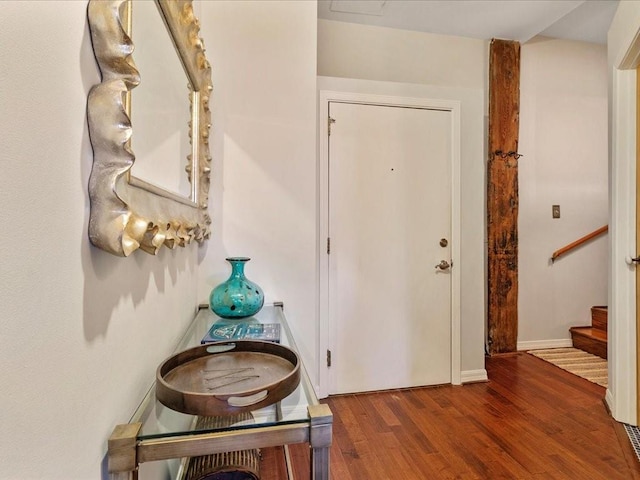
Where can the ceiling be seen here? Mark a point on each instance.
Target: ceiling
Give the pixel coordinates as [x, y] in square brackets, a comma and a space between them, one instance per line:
[520, 20]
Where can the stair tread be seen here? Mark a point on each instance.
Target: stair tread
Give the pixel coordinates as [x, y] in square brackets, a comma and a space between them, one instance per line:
[594, 333]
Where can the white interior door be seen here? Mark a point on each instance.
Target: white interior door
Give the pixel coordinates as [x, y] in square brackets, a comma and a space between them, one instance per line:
[389, 225]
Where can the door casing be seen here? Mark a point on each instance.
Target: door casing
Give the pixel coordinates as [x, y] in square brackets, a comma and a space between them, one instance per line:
[624, 57]
[452, 106]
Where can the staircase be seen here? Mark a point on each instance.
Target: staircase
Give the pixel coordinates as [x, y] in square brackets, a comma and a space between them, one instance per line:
[593, 338]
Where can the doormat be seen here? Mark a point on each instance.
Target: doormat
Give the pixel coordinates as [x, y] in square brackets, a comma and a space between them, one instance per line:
[634, 438]
[580, 363]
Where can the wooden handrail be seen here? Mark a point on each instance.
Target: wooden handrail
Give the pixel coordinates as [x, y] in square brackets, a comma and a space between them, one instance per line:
[579, 242]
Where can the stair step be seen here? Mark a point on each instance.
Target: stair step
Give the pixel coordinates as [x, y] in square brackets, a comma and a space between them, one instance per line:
[599, 316]
[590, 340]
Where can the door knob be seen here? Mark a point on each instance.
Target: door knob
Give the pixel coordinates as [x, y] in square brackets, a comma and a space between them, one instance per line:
[632, 261]
[443, 265]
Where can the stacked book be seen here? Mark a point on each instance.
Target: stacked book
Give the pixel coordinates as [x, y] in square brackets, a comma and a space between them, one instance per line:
[220, 332]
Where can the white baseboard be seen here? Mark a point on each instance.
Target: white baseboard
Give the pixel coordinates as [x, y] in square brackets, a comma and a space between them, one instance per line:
[541, 344]
[608, 399]
[468, 376]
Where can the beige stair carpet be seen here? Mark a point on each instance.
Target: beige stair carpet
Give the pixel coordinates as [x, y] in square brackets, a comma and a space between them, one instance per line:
[580, 363]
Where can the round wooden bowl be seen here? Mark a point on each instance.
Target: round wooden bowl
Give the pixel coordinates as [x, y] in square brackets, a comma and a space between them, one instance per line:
[226, 378]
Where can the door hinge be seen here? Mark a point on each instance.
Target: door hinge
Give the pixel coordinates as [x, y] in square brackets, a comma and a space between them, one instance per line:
[328, 358]
[328, 245]
[330, 121]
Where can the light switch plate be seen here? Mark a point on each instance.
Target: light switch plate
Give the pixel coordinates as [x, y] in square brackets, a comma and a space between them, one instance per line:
[555, 211]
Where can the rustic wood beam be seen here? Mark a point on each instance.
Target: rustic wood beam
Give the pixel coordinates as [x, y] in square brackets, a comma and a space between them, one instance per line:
[502, 196]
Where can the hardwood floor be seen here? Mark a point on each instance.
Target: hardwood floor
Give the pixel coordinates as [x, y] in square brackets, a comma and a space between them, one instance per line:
[530, 421]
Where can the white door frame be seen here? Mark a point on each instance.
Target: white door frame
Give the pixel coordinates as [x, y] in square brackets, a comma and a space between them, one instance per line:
[452, 106]
[624, 57]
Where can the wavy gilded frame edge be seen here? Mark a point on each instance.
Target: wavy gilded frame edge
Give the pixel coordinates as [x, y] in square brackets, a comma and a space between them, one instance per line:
[128, 214]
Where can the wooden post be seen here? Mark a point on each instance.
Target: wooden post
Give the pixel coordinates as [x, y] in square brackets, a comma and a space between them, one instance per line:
[320, 439]
[122, 452]
[502, 196]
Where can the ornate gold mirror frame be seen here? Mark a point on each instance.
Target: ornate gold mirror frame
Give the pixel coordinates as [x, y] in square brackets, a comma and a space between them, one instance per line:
[128, 213]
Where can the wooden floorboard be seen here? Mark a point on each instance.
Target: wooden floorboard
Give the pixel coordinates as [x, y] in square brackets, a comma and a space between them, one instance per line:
[531, 420]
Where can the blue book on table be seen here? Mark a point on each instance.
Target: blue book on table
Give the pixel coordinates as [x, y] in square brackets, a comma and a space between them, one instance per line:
[220, 332]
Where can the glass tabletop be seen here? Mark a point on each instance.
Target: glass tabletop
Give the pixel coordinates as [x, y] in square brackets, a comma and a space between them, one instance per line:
[160, 421]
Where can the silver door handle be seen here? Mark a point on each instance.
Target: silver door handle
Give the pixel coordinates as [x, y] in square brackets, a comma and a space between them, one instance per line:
[444, 265]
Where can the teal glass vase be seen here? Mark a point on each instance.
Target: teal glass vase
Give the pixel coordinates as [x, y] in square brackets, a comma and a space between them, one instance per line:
[237, 297]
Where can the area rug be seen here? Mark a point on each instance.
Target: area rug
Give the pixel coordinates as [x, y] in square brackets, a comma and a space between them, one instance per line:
[580, 363]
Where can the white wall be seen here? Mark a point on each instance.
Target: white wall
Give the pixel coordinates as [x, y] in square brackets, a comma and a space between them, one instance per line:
[352, 50]
[427, 66]
[264, 194]
[563, 83]
[82, 331]
[563, 137]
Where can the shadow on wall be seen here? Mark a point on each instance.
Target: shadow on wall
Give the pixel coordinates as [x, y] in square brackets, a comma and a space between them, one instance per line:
[110, 280]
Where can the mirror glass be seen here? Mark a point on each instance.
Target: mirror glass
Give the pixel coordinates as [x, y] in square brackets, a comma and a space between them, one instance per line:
[160, 141]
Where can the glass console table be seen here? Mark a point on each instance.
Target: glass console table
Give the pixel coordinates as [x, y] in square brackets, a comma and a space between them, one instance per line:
[156, 432]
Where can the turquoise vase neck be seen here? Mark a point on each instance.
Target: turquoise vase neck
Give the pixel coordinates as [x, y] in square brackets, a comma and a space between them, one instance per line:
[237, 266]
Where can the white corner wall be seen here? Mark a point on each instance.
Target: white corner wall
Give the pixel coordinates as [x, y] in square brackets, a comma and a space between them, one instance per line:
[385, 61]
[82, 331]
[264, 194]
[563, 137]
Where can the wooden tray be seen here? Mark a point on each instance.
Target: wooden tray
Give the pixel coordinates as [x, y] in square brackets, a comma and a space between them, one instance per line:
[226, 378]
